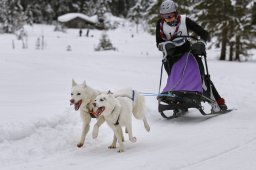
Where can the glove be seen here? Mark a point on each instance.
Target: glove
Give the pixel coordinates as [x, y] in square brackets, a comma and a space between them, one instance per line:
[198, 48]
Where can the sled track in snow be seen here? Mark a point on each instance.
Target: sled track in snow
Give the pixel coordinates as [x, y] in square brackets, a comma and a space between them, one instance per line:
[214, 156]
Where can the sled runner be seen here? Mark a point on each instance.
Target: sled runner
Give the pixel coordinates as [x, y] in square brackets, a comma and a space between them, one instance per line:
[188, 84]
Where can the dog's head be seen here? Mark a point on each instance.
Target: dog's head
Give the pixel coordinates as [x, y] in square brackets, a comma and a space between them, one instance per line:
[105, 102]
[80, 95]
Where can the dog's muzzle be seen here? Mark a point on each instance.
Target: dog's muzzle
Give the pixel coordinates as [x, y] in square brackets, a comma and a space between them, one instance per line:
[77, 104]
[99, 111]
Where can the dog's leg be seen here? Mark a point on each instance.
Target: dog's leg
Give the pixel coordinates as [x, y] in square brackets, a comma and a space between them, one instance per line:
[99, 122]
[146, 125]
[122, 134]
[113, 145]
[118, 129]
[117, 136]
[129, 129]
[85, 128]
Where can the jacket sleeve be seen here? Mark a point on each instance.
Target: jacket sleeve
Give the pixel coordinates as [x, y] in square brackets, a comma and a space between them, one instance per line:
[158, 37]
[193, 26]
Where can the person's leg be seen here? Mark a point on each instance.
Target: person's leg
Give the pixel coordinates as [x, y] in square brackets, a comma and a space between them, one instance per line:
[200, 65]
[168, 65]
[218, 98]
[209, 83]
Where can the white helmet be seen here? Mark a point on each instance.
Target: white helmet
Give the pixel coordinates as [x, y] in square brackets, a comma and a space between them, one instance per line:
[167, 7]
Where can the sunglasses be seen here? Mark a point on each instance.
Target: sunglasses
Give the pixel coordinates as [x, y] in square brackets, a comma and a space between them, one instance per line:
[168, 16]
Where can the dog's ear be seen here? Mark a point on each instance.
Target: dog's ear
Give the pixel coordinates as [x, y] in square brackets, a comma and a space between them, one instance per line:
[73, 83]
[84, 84]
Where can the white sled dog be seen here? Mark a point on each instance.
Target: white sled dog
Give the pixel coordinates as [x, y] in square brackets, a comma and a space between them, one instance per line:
[117, 111]
[83, 96]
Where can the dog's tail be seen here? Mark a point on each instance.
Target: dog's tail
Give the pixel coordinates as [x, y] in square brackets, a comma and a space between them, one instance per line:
[139, 107]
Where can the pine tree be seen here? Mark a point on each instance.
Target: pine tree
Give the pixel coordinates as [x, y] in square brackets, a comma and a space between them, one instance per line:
[244, 31]
[121, 7]
[152, 15]
[105, 44]
[215, 17]
[253, 11]
[135, 14]
[231, 22]
[138, 13]
[11, 15]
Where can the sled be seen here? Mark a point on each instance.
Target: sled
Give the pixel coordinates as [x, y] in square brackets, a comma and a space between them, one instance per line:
[187, 86]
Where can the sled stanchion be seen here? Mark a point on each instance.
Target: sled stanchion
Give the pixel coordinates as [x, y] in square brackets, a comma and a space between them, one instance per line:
[206, 65]
[161, 74]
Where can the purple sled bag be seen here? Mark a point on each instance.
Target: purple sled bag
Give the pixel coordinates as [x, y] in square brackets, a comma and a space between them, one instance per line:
[185, 75]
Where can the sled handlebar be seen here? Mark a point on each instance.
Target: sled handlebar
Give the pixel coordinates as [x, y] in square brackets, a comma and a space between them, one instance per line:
[167, 46]
[187, 36]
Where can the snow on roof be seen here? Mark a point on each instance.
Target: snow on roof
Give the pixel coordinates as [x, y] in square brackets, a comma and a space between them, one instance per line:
[70, 16]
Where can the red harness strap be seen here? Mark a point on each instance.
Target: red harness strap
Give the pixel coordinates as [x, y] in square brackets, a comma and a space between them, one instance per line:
[92, 113]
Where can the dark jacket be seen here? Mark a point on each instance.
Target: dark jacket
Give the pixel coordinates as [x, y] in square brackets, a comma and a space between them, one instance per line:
[191, 26]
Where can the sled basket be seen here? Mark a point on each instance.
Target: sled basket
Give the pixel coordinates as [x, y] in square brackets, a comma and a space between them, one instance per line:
[179, 100]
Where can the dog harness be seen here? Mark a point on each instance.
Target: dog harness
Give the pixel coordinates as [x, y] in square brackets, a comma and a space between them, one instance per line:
[117, 120]
[133, 95]
[132, 98]
[94, 114]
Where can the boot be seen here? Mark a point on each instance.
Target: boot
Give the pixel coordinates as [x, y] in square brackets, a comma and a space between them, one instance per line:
[221, 103]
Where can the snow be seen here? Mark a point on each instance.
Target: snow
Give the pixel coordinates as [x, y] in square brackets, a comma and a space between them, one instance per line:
[39, 130]
[69, 16]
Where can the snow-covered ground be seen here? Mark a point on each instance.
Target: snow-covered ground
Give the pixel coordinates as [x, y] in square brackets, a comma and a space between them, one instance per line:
[39, 130]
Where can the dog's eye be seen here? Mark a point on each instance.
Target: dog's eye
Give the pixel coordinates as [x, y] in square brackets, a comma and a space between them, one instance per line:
[71, 94]
[78, 94]
[101, 100]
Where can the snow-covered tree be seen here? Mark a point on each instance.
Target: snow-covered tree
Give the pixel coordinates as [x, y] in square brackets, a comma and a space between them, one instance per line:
[12, 16]
[215, 17]
[152, 15]
[105, 44]
[230, 22]
[121, 7]
[135, 14]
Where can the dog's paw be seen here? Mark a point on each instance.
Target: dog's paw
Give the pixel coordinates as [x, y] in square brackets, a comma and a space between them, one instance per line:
[112, 147]
[95, 132]
[79, 145]
[147, 128]
[133, 139]
[120, 150]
